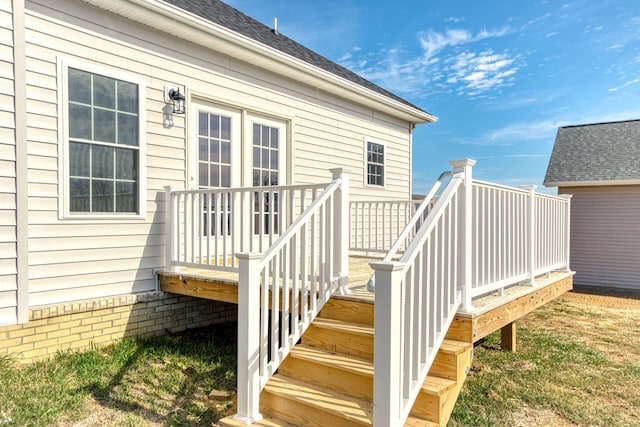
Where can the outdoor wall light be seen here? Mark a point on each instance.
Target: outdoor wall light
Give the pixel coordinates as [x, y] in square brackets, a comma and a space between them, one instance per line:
[176, 99]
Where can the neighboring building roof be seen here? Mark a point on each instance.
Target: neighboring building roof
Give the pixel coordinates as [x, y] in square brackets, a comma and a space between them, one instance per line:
[595, 154]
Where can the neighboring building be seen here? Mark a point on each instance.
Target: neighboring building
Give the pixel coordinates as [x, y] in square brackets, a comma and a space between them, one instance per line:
[599, 164]
[89, 140]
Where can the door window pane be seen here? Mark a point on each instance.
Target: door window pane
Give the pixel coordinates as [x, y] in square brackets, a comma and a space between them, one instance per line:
[214, 150]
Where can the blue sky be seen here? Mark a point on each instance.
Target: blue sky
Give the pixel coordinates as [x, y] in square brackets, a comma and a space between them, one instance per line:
[501, 76]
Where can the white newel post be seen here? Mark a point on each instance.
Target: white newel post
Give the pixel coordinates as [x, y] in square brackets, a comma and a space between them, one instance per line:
[387, 344]
[465, 231]
[567, 236]
[248, 338]
[341, 231]
[531, 234]
[169, 228]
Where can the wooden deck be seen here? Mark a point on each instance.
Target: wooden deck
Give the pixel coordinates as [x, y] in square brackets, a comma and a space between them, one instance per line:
[491, 312]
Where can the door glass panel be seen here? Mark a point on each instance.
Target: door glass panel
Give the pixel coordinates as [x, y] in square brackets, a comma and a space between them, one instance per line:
[265, 173]
[214, 150]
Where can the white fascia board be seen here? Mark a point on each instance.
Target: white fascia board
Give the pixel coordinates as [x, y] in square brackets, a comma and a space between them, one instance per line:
[591, 183]
[188, 26]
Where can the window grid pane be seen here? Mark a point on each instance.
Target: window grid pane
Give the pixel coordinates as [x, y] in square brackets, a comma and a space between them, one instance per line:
[375, 164]
[265, 173]
[214, 153]
[103, 145]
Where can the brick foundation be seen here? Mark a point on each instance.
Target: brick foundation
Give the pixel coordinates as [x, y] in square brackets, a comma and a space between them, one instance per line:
[77, 325]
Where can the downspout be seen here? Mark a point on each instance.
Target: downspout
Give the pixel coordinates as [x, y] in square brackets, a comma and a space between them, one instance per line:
[20, 118]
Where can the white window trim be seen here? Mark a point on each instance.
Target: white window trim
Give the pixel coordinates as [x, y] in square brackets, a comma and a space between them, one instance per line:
[64, 211]
[365, 180]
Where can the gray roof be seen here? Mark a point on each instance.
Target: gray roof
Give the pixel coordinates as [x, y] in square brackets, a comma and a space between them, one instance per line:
[595, 153]
[234, 20]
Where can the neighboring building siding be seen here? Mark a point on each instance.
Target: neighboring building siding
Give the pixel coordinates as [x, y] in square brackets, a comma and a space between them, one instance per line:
[8, 249]
[605, 235]
[79, 259]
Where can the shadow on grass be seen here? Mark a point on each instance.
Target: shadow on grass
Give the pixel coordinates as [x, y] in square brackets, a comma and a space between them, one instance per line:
[164, 380]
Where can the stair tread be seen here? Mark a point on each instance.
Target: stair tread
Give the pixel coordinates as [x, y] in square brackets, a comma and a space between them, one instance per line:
[454, 347]
[337, 360]
[413, 421]
[437, 386]
[265, 422]
[340, 325]
[350, 408]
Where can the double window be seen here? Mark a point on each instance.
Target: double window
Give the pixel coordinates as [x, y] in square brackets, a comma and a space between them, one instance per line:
[103, 170]
[375, 163]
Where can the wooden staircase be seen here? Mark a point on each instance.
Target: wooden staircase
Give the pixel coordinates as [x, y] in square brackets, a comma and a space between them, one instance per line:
[327, 380]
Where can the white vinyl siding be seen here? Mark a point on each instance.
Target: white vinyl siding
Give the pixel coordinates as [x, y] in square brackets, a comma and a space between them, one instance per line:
[8, 232]
[71, 259]
[605, 235]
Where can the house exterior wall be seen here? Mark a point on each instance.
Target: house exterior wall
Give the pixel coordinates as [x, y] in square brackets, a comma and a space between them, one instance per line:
[605, 235]
[77, 325]
[78, 259]
[8, 230]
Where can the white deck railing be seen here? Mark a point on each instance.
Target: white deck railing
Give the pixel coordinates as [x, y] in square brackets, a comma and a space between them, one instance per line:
[416, 299]
[281, 291]
[375, 225]
[478, 238]
[206, 228]
[516, 235]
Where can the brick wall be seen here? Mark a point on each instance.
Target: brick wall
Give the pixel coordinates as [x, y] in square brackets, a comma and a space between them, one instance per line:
[78, 324]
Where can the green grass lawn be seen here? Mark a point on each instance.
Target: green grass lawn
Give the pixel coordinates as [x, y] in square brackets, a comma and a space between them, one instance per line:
[575, 365]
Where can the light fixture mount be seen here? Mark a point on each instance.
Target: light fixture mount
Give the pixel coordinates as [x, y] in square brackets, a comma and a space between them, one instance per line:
[177, 99]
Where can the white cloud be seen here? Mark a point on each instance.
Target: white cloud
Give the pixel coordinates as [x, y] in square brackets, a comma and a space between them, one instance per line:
[433, 42]
[629, 83]
[448, 63]
[479, 72]
[523, 131]
[454, 19]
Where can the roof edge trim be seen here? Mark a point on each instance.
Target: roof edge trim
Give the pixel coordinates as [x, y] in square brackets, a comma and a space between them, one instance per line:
[147, 12]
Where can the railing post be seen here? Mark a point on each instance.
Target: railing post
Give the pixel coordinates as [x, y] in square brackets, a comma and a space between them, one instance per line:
[567, 236]
[341, 229]
[465, 232]
[388, 343]
[248, 338]
[169, 229]
[531, 234]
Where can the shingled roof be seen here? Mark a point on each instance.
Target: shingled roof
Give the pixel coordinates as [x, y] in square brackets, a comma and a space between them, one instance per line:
[234, 20]
[595, 154]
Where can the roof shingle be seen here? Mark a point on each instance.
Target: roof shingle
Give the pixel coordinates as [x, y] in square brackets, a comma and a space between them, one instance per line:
[222, 14]
[591, 153]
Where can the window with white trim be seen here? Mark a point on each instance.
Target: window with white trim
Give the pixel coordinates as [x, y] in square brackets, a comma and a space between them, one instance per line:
[375, 163]
[103, 171]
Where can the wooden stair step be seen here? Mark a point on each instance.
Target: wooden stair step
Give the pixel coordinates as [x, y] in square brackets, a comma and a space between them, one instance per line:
[338, 308]
[437, 386]
[303, 404]
[338, 336]
[413, 421]
[344, 373]
[454, 347]
[344, 362]
[342, 326]
[265, 422]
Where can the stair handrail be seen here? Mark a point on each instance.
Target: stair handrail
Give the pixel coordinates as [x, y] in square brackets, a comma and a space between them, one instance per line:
[295, 277]
[416, 300]
[411, 225]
